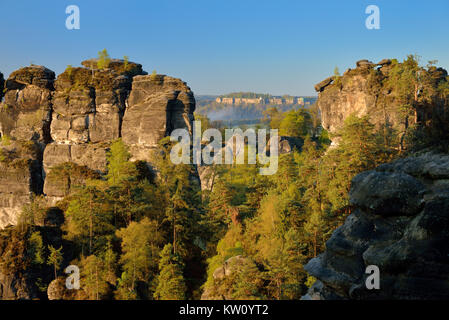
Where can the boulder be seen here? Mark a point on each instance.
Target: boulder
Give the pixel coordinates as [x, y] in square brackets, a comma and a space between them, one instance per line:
[400, 223]
[57, 290]
[72, 120]
[323, 84]
[384, 62]
[364, 64]
[217, 290]
[387, 194]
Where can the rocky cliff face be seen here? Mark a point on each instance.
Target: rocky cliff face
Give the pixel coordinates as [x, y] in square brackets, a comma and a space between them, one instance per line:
[26, 110]
[364, 91]
[156, 106]
[69, 122]
[400, 224]
[25, 116]
[20, 176]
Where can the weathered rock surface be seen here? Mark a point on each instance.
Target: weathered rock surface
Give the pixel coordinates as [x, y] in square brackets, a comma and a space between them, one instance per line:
[72, 121]
[20, 177]
[26, 111]
[363, 91]
[88, 108]
[156, 106]
[400, 224]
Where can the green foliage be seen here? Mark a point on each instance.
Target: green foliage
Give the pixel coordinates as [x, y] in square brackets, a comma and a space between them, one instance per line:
[55, 258]
[93, 279]
[35, 212]
[153, 75]
[273, 117]
[296, 209]
[140, 252]
[336, 72]
[296, 124]
[5, 140]
[310, 281]
[171, 284]
[119, 167]
[36, 248]
[205, 122]
[125, 63]
[69, 70]
[89, 220]
[103, 59]
[337, 77]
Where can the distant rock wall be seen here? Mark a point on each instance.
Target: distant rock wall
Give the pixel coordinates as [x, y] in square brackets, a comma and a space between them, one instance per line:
[70, 122]
[400, 223]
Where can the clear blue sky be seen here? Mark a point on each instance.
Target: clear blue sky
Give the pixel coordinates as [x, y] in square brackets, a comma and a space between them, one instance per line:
[227, 45]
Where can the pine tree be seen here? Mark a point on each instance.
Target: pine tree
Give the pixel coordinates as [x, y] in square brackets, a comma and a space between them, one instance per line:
[55, 258]
[93, 277]
[89, 218]
[171, 283]
[36, 248]
[119, 167]
[140, 247]
[103, 59]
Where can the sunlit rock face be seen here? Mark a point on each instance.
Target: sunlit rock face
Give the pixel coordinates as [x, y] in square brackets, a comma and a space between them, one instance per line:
[26, 110]
[25, 115]
[400, 224]
[58, 130]
[156, 106]
[88, 108]
[363, 91]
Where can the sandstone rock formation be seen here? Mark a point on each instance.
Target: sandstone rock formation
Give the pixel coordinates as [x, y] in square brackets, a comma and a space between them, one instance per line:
[88, 107]
[55, 134]
[26, 110]
[363, 91]
[70, 122]
[20, 176]
[156, 106]
[400, 223]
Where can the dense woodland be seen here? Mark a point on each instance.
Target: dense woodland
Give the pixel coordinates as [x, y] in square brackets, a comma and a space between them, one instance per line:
[139, 234]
